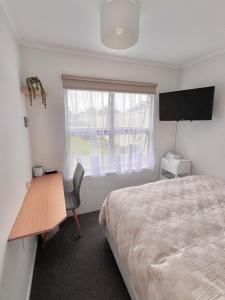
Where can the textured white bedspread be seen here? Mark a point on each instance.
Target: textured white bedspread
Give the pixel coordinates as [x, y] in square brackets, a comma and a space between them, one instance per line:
[171, 236]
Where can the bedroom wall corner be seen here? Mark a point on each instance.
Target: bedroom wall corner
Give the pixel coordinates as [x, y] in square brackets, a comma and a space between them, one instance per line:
[202, 141]
[17, 257]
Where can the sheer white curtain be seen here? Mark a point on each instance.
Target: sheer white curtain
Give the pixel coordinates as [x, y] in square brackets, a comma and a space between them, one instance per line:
[108, 131]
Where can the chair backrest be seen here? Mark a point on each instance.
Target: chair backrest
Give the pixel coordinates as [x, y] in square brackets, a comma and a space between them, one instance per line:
[77, 180]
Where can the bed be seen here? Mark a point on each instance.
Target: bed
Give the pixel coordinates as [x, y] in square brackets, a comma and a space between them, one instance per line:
[168, 238]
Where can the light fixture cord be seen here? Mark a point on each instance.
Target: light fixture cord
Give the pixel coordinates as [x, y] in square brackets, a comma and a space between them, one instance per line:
[175, 138]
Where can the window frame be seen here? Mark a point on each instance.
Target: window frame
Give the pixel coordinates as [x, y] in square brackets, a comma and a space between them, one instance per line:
[112, 131]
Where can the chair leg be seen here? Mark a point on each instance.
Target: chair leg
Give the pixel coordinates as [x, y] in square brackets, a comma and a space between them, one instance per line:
[77, 222]
[45, 239]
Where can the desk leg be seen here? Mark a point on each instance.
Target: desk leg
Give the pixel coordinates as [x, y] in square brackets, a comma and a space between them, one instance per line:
[45, 238]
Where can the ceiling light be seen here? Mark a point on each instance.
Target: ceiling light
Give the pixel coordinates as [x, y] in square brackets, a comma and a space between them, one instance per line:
[120, 23]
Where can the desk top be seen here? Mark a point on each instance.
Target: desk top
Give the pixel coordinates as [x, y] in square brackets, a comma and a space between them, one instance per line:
[43, 207]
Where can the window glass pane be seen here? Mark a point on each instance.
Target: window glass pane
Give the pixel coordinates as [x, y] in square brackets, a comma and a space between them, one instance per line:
[133, 150]
[87, 109]
[131, 110]
[91, 151]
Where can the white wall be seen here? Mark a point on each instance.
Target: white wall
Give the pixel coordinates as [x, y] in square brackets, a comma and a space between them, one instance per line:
[203, 141]
[47, 126]
[15, 168]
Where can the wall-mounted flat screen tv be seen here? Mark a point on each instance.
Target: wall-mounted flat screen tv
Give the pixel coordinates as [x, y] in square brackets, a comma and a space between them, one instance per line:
[194, 104]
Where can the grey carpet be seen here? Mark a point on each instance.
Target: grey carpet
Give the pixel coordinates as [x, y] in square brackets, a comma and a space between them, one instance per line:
[79, 269]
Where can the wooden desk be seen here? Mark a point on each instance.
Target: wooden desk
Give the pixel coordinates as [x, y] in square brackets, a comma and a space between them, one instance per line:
[43, 207]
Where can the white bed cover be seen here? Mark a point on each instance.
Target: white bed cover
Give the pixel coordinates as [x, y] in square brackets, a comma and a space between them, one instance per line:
[171, 236]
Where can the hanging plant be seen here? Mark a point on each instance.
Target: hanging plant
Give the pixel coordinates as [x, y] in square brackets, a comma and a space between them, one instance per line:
[35, 88]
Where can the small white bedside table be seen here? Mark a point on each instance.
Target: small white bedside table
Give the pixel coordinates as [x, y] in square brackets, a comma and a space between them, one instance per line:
[173, 168]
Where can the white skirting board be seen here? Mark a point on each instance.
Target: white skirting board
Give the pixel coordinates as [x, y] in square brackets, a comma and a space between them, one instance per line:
[31, 272]
[122, 267]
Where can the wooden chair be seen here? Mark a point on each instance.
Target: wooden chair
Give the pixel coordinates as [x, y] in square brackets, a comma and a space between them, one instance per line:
[73, 198]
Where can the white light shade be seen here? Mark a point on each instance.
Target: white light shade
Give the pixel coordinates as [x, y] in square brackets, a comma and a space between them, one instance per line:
[120, 23]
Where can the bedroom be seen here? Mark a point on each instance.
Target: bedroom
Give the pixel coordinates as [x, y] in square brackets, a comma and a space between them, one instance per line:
[180, 46]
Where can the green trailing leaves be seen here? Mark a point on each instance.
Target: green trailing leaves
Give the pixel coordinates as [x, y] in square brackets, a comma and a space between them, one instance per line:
[34, 85]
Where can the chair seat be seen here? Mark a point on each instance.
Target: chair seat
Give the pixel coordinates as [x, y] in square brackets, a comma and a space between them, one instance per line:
[71, 201]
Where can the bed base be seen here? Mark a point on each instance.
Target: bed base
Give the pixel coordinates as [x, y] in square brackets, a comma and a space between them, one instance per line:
[122, 267]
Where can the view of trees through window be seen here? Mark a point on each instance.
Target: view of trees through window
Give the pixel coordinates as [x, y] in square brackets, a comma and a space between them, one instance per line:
[107, 131]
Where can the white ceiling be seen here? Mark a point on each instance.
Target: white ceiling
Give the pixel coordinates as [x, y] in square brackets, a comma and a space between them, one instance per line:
[175, 32]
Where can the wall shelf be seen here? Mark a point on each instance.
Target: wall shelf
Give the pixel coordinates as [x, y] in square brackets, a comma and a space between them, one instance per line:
[25, 91]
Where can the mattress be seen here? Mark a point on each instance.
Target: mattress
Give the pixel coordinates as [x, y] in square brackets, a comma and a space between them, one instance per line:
[170, 236]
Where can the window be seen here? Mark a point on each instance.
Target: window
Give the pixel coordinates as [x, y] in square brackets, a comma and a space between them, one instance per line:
[109, 131]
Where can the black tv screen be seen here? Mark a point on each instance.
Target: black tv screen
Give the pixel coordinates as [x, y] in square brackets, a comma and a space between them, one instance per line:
[194, 104]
